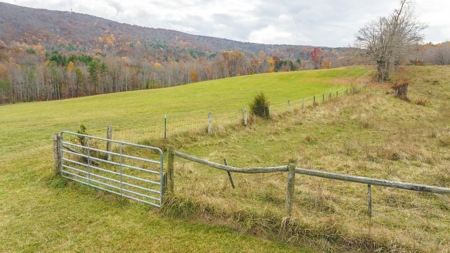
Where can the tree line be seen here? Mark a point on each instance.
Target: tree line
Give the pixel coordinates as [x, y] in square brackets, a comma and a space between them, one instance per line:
[35, 75]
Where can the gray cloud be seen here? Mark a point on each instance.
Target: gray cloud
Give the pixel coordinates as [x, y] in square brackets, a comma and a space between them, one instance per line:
[117, 6]
[319, 23]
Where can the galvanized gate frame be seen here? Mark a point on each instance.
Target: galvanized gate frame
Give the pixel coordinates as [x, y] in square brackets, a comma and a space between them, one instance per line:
[90, 173]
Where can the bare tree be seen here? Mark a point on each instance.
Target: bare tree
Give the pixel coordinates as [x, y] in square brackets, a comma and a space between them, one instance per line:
[388, 40]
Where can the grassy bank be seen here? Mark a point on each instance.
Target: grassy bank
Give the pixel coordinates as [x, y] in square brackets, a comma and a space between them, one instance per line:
[370, 134]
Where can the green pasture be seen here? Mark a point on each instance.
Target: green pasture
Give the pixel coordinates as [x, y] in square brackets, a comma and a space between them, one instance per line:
[27, 126]
[41, 214]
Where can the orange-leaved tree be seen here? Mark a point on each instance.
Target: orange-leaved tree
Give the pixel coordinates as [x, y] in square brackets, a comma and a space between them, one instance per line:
[316, 57]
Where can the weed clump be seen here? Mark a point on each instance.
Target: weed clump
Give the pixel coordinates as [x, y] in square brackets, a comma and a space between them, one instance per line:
[260, 106]
[422, 102]
[400, 83]
[82, 139]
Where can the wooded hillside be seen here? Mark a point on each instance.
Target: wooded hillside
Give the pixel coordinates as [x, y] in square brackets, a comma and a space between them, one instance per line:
[46, 55]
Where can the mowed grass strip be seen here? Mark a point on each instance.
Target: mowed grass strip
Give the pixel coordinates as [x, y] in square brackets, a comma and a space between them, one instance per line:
[40, 214]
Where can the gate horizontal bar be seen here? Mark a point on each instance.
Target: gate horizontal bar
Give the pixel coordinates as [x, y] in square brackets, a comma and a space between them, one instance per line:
[113, 141]
[107, 171]
[108, 175]
[113, 192]
[109, 162]
[114, 187]
[106, 152]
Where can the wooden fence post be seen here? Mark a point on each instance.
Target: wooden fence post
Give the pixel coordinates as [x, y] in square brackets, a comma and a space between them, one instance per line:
[290, 189]
[210, 126]
[369, 199]
[108, 143]
[244, 111]
[57, 153]
[303, 104]
[165, 126]
[289, 106]
[170, 169]
[314, 100]
[323, 98]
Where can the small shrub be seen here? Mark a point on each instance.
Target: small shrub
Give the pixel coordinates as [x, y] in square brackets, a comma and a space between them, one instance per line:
[84, 142]
[260, 106]
[82, 139]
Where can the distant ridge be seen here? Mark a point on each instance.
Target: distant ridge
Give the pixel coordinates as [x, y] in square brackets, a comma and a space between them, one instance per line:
[22, 24]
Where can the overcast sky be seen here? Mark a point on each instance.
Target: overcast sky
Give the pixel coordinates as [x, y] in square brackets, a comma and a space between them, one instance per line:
[332, 23]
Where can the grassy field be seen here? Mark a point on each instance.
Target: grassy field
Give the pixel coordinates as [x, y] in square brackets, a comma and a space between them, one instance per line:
[370, 133]
[43, 213]
[139, 114]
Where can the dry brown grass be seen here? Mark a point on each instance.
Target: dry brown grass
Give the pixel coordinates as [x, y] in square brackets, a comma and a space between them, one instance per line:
[368, 134]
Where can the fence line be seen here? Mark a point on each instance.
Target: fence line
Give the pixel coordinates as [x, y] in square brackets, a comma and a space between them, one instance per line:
[373, 181]
[292, 169]
[230, 168]
[167, 125]
[171, 124]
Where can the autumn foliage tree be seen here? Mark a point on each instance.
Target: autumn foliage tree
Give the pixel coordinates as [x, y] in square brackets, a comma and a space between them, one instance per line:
[326, 64]
[194, 76]
[316, 57]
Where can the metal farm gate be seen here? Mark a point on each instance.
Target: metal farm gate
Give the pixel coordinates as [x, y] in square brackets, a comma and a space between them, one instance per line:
[130, 170]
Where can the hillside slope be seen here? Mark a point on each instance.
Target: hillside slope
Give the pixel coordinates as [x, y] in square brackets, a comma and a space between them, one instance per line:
[370, 134]
[42, 213]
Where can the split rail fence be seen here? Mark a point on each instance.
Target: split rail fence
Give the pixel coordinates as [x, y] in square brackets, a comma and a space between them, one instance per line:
[292, 170]
[87, 174]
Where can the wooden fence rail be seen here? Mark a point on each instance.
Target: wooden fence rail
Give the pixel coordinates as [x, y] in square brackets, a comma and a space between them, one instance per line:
[373, 181]
[292, 170]
[231, 168]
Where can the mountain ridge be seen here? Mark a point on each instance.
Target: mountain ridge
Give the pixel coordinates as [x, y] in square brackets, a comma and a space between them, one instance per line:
[43, 24]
